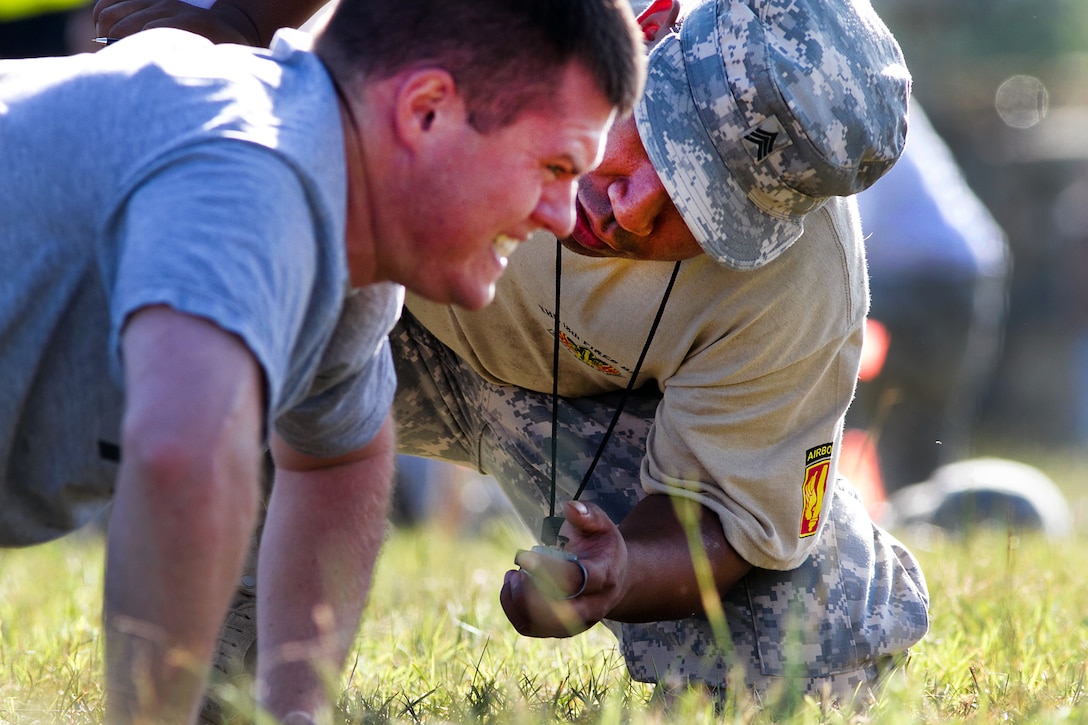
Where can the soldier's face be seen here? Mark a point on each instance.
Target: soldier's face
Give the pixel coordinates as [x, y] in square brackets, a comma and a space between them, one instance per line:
[623, 209]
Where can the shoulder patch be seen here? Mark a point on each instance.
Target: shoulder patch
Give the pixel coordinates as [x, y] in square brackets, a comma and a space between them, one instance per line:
[817, 466]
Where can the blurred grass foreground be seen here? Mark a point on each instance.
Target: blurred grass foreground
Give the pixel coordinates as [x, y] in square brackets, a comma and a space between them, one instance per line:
[1009, 639]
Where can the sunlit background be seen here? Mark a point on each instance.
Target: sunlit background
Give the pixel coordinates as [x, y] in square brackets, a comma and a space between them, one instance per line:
[1005, 82]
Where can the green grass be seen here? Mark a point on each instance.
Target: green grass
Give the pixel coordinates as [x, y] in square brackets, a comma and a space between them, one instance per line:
[1008, 644]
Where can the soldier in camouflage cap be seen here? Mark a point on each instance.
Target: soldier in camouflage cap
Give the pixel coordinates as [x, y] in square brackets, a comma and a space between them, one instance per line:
[756, 112]
[699, 340]
[759, 118]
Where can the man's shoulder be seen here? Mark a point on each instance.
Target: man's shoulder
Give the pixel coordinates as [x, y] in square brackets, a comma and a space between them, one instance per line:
[836, 222]
[818, 285]
[239, 83]
[832, 241]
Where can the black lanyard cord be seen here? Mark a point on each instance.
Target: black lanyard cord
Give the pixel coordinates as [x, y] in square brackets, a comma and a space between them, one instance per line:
[550, 531]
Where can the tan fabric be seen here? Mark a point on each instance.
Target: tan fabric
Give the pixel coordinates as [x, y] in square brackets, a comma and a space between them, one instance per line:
[756, 367]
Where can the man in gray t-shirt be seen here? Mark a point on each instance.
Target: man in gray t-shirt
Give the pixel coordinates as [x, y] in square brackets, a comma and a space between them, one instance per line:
[203, 249]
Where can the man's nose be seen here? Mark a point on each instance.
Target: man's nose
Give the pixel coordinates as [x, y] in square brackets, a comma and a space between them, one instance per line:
[555, 210]
[637, 200]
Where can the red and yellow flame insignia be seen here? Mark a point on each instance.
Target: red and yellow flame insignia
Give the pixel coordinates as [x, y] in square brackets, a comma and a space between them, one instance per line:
[817, 467]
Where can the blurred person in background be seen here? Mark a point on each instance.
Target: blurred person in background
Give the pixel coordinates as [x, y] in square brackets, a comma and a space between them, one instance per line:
[1070, 213]
[939, 274]
[939, 267]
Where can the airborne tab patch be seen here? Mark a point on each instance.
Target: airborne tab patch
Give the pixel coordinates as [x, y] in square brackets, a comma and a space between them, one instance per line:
[817, 466]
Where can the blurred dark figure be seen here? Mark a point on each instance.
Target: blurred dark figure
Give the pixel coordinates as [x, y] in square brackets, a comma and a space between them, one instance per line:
[1070, 214]
[939, 267]
[39, 28]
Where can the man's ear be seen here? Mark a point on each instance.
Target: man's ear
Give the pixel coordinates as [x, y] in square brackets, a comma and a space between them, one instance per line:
[425, 96]
[657, 18]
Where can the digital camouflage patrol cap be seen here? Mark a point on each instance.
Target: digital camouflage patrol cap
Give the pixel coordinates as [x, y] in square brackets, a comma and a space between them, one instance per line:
[755, 112]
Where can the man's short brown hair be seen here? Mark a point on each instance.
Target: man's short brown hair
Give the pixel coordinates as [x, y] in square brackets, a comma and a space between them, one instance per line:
[505, 55]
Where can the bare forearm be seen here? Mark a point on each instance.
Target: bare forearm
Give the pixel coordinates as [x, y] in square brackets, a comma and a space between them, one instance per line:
[661, 582]
[186, 501]
[169, 579]
[321, 539]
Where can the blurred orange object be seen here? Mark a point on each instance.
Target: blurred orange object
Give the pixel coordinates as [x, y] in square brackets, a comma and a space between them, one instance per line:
[874, 350]
[859, 461]
[860, 464]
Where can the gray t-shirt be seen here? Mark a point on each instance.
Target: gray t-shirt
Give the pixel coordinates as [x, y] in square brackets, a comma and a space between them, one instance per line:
[167, 170]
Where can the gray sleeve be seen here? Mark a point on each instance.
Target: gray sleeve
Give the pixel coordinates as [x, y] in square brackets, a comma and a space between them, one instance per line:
[221, 231]
[353, 391]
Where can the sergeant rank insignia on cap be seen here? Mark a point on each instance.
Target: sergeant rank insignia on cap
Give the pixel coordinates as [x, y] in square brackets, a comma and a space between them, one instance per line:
[765, 138]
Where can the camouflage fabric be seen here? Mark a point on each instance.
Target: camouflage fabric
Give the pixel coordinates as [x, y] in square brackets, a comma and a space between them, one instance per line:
[756, 111]
[836, 622]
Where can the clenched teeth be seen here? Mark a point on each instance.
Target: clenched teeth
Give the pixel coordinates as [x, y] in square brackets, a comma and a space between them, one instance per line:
[504, 245]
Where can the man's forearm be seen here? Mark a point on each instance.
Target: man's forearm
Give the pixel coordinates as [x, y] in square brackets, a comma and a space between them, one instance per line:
[661, 581]
[186, 501]
[169, 580]
[322, 536]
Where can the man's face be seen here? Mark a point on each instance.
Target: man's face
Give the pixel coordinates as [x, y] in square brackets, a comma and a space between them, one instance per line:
[484, 191]
[623, 209]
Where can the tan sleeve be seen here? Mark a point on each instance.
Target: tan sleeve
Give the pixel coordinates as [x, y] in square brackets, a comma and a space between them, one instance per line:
[745, 424]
